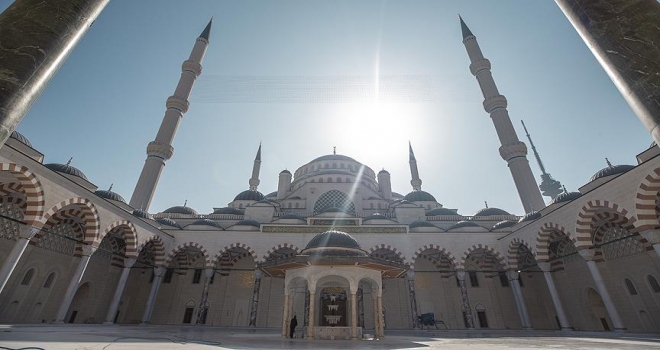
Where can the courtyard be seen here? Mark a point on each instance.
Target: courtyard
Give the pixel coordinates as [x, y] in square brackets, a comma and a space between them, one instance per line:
[176, 337]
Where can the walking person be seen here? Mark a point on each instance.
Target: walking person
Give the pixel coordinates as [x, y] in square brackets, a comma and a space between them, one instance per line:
[292, 326]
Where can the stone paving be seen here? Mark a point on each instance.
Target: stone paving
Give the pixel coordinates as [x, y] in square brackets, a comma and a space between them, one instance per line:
[114, 337]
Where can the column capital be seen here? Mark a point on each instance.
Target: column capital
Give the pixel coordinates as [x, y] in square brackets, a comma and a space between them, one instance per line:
[129, 262]
[88, 250]
[258, 274]
[512, 275]
[410, 274]
[544, 266]
[587, 254]
[27, 232]
[159, 271]
[312, 291]
[460, 275]
[209, 272]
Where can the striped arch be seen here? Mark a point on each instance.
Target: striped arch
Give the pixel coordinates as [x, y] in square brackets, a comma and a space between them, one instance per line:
[397, 252]
[456, 264]
[514, 252]
[128, 233]
[611, 220]
[498, 256]
[645, 202]
[88, 213]
[159, 250]
[180, 247]
[11, 198]
[277, 247]
[243, 246]
[31, 187]
[543, 240]
[585, 220]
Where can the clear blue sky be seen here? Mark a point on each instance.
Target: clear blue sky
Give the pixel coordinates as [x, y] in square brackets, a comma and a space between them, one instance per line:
[107, 101]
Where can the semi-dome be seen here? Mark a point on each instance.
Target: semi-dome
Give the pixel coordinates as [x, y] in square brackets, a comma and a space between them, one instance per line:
[419, 196]
[462, 224]
[20, 138]
[441, 211]
[181, 209]
[504, 224]
[566, 197]
[228, 210]
[532, 215]
[249, 223]
[206, 222]
[334, 157]
[292, 217]
[142, 214]
[490, 212]
[249, 195]
[66, 169]
[168, 222]
[113, 196]
[421, 223]
[611, 170]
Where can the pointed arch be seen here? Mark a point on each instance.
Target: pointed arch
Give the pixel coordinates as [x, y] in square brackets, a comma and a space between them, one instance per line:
[646, 201]
[31, 187]
[184, 246]
[278, 247]
[128, 233]
[543, 238]
[496, 254]
[584, 223]
[452, 260]
[373, 251]
[514, 257]
[245, 247]
[90, 215]
[159, 250]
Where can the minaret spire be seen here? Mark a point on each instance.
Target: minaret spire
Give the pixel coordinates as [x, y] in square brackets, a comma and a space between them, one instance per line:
[160, 150]
[416, 182]
[512, 150]
[254, 180]
[549, 186]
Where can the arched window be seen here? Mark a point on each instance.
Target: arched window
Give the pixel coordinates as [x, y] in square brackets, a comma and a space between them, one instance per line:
[297, 205]
[321, 180]
[371, 205]
[653, 283]
[28, 277]
[339, 179]
[631, 287]
[329, 180]
[289, 205]
[326, 166]
[342, 165]
[49, 280]
[334, 165]
[348, 180]
[481, 315]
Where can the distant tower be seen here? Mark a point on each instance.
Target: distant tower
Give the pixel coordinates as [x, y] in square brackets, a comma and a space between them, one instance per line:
[385, 184]
[254, 180]
[416, 182]
[160, 150]
[284, 184]
[512, 150]
[549, 186]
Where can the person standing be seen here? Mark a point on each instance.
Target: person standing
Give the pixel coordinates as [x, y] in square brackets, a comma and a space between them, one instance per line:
[292, 326]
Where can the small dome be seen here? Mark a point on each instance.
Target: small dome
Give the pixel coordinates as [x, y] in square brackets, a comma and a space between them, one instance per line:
[531, 216]
[272, 195]
[376, 216]
[385, 172]
[66, 169]
[107, 194]
[462, 224]
[249, 196]
[168, 222]
[441, 211]
[142, 214]
[419, 196]
[333, 239]
[181, 210]
[20, 138]
[504, 224]
[228, 210]
[249, 223]
[566, 197]
[292, 217]
[490, 212]
[611, 170]
[421, 223]
[206, 222]
[285, 172]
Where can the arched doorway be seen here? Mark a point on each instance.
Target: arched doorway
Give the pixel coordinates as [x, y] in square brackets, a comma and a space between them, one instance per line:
[79, 310]
[598, 311]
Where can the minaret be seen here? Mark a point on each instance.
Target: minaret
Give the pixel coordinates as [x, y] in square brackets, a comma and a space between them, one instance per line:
[254, 180]
[512, 150]
[416, 182]
[160, 150]
[549, 186]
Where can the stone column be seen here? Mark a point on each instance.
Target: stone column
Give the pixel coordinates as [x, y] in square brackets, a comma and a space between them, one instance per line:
[381, 321]
[114, 305]
[151, 301]
[513, 276]
[559, 309]
[312, 316]
[376, 315]
[306, 316]
[25, 234]
[623, 36]
[588, 255]
[285, 314]
[360, 307]
[204, 301]
[466, 308]
[255, 297]
[353, 315]
[410, 276]
[87, 251]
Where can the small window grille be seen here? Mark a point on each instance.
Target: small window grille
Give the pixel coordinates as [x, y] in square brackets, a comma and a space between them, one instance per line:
[49, 280]
[655, 286]
[168, 276]
[474, 280]
[197, 276]
[631, 287]
[28, 277]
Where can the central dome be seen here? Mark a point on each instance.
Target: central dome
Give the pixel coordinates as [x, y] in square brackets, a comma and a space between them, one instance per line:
[334, 243]
[334, 157]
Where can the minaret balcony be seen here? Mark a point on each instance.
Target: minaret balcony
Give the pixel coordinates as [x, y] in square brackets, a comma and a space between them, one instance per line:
[192, 66]
[177, 103]
[480, 65]
[513, 150]
[160, 149]
[495, 102]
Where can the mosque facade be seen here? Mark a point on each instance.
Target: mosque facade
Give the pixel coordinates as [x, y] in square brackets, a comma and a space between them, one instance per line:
[333, 245]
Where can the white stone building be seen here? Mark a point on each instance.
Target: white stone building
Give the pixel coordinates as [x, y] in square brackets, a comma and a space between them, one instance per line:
[589, 260]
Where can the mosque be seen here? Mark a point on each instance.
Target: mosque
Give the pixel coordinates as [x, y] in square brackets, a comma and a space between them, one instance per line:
[333, 245]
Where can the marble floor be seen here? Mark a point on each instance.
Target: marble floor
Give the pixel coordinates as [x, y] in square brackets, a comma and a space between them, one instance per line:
[113, 337]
